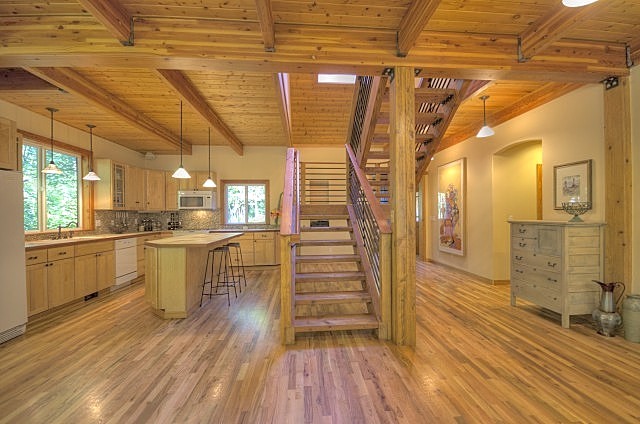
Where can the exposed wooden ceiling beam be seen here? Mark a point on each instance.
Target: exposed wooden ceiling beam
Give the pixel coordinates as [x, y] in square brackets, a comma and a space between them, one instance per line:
[544, 94]
[190, 95]
[553, 26]
[113, 16]
[281, 81]
[265, 17]
[475, 56]
[74, 83]
[413, 22]
[17, 79]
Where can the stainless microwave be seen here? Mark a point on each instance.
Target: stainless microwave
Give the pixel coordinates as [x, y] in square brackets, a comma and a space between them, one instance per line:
[196, 200]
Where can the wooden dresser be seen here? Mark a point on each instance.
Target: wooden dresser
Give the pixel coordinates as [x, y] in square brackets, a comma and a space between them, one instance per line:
[553, 263]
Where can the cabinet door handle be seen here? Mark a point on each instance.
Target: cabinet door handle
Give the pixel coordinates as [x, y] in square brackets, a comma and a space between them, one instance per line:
[522, 244]
[552, 280]
[62, 253]
[518, 258]
[30, 258]
[520, 271]
[552, 265]
[522, 231]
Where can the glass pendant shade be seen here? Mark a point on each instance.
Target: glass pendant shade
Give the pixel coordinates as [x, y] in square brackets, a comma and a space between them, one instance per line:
[485, 131]
[91, 176]
[209, 183]
[52, 168]
[181, 173]
[577, 3]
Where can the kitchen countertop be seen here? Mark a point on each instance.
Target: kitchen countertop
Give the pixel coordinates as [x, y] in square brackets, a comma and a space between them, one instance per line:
[247, 230]
[193, 240]
[44, 244]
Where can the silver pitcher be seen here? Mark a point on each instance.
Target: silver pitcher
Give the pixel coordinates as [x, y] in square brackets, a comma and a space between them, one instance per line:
[606, 317]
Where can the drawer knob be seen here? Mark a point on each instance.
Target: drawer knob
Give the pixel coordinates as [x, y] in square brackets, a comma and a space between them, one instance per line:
[552, 265]
[552, 280]
[519, 271]
[521, 231]
[518, 258]
[522, 244]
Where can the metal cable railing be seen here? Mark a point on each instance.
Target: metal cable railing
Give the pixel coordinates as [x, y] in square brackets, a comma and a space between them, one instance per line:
[364, 90]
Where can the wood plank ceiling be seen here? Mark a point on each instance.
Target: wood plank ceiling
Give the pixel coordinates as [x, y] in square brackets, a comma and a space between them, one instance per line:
[124, 65]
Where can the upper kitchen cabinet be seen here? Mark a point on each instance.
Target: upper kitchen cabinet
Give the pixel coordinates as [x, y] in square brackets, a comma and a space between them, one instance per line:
[154, 190]
[109, 192]
[134, 189]
[172, 185]
[197, 179]
[8, 145]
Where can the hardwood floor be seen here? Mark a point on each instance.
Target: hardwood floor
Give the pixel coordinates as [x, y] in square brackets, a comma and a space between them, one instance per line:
[477, 360]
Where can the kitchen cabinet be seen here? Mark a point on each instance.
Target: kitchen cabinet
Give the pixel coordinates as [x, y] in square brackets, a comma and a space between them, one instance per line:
[172, 185]
[141, 251]
[553, 263]
[60, 275]
[94, 267]
[9, 158]
[109, 192]
[37, 293]
[154, 187]
[134, 188]
[258, 248]
[197, 179]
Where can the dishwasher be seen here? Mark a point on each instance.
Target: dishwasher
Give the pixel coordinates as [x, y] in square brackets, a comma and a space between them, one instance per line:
[126, 260]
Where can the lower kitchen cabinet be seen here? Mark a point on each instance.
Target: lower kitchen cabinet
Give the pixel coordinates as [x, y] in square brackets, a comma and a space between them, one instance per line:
[95, 267]
[258, 248]
[37, 292]
[60, 282]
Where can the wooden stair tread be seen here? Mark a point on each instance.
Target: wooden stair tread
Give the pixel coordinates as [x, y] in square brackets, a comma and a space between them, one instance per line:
[339, 322]
[316, 298]
[329, 276]
[327, 243]
[327, 258]
[324, 217]
[319, 229]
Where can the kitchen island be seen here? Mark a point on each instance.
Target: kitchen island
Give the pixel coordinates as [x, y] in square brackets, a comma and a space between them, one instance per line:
[175, 270]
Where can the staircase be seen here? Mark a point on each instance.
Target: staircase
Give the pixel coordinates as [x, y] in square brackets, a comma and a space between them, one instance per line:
[330, 284]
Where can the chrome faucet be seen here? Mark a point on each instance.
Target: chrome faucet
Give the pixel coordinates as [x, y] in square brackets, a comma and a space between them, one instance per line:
[70, 234]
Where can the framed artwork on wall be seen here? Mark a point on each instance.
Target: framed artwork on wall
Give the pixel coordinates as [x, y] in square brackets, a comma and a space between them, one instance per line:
[571, 183]
[451, 207]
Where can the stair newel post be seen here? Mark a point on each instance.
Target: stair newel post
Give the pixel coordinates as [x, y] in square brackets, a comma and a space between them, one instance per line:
[289, 237]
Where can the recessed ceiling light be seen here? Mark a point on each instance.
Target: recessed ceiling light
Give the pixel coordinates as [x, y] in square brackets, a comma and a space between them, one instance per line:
[336, 79]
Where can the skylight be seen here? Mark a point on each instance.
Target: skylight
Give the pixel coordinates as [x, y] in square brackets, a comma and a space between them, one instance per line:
[336, 79]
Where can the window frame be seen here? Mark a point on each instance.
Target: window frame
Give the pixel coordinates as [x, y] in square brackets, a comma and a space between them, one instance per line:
[82, 157]
[223, 188]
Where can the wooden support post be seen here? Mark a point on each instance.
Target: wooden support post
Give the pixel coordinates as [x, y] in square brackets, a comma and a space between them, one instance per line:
[618, 176]
[287, 291]
[403, 209]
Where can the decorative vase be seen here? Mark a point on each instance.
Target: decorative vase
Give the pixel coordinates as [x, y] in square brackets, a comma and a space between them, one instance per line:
[631, 317]
[606, 317]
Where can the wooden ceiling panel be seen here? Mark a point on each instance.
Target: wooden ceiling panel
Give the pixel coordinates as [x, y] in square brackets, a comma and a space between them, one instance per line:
[319, 112]
[241, 10]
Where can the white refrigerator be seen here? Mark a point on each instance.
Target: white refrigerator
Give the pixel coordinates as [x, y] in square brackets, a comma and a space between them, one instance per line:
[13, 287]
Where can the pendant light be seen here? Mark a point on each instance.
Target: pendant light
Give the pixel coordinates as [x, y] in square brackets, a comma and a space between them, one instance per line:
[577, 3]
[486, 130]
[181, 172]
[91, 176]
[209, 183]
[52, 168]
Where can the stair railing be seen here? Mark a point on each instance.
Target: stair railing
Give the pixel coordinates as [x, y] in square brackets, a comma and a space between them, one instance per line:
[372, 231]
[289, 238]
[323, 183]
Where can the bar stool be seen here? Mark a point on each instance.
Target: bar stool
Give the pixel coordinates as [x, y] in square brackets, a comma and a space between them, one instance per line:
[224, 277]
[237, 263]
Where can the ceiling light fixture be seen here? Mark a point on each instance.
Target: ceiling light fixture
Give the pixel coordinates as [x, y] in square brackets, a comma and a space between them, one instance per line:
[486, 130]
[52, 168]
[181, 172]
[91, 176]
[577, 3]
[209, 182]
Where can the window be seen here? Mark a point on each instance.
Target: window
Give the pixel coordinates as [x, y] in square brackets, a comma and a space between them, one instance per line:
[245, 202]
[50, 200]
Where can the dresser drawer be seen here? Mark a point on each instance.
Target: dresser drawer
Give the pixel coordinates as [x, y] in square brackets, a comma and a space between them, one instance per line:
[37, 256]
[537, 294]
[524, 231]
[520, 243]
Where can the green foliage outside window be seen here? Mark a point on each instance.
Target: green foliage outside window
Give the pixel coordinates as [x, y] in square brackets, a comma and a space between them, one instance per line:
[245, 203]
[49, 199]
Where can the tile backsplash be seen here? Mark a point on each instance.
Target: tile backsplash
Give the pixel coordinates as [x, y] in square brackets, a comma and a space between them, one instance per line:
[129, 221]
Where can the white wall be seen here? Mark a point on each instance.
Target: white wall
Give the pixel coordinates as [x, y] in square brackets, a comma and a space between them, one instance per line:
[571, 129]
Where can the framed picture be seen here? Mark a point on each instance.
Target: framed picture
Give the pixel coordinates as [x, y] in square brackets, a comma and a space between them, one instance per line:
[572, 183]
[451, 207]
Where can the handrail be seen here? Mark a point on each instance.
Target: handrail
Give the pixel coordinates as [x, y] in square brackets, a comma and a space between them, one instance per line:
[378, 213]
[290, 224]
